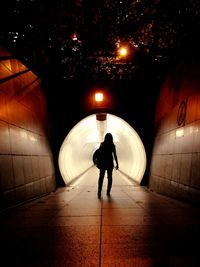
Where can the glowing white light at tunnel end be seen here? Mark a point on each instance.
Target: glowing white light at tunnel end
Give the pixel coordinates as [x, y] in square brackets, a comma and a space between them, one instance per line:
[75, 155]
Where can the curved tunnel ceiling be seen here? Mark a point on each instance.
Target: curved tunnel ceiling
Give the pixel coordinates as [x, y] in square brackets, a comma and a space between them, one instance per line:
[75, 156]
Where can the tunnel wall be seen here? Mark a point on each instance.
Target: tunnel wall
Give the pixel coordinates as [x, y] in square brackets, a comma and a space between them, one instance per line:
[175, 164]
[26, 165]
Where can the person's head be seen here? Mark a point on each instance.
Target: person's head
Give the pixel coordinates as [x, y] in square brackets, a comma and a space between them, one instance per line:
[108, 138]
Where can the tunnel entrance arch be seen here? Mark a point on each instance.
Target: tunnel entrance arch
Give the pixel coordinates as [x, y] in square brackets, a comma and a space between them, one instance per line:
[75, 155]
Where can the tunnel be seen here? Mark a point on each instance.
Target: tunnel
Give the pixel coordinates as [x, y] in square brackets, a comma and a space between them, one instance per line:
[28, 137]
[75, 155]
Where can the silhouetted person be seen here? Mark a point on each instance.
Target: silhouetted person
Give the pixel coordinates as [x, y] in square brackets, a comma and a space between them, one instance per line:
[108, 150]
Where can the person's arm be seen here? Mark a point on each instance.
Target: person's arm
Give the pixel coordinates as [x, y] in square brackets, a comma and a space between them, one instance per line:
[116, 159]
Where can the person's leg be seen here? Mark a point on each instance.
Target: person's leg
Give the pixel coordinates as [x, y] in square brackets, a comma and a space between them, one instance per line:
[109, 186]
[100, 182]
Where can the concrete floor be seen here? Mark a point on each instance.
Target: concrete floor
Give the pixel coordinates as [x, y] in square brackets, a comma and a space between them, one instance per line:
[72, 227]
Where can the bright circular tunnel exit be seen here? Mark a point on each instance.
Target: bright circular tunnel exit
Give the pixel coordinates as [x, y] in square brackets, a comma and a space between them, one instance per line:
[75, 155]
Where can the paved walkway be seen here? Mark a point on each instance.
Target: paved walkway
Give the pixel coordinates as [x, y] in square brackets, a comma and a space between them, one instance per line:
[72, 227]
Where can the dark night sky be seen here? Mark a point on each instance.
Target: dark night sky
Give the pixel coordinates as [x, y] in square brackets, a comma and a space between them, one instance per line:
[156, 31]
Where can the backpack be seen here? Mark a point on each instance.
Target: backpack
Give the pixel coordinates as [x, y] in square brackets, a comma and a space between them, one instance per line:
[98, 157]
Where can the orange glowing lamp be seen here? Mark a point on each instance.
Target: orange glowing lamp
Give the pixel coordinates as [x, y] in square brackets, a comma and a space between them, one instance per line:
[99, 97]
[123, 51]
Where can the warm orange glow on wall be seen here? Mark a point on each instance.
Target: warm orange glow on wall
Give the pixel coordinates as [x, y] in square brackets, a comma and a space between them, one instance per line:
[98, 97]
